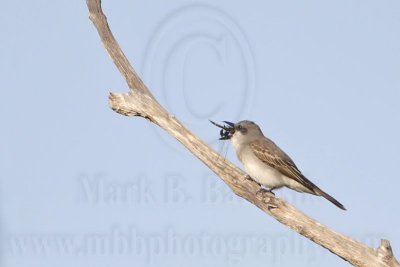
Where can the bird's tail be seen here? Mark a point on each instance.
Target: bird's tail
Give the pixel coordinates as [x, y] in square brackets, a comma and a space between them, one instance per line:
[328, 197]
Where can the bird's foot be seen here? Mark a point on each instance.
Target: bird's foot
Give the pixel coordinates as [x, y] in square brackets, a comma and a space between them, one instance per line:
[263, 194]
[270, 191]
[262, 191]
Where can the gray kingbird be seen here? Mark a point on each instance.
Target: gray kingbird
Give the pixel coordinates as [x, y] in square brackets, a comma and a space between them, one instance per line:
[265, 162]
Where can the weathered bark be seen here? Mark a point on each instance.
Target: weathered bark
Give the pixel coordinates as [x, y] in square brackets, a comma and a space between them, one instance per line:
[140, 102]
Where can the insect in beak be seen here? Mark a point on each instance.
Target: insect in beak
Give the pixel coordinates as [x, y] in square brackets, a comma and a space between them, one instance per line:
[226, 130]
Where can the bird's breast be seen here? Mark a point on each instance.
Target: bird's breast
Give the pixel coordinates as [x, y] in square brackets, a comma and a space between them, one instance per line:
[260, 171]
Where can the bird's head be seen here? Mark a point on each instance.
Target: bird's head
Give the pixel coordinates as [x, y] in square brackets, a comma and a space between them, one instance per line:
[242, 129]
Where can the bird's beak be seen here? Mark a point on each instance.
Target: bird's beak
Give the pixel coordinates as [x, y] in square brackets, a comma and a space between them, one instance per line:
[226, 130]
[230, 124]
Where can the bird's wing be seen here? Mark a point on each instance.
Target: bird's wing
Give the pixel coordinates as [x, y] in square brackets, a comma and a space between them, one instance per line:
[268, 152]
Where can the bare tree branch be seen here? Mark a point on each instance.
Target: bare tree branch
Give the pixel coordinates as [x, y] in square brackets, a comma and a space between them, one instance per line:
[140, 102]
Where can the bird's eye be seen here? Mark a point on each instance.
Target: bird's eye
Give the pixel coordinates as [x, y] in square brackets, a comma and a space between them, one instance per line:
[241, 129]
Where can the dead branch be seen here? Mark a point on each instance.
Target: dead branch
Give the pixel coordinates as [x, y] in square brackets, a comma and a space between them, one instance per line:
[140, 102]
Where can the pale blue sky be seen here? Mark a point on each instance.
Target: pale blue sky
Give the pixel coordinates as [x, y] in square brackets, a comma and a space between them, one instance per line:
[84, 186]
